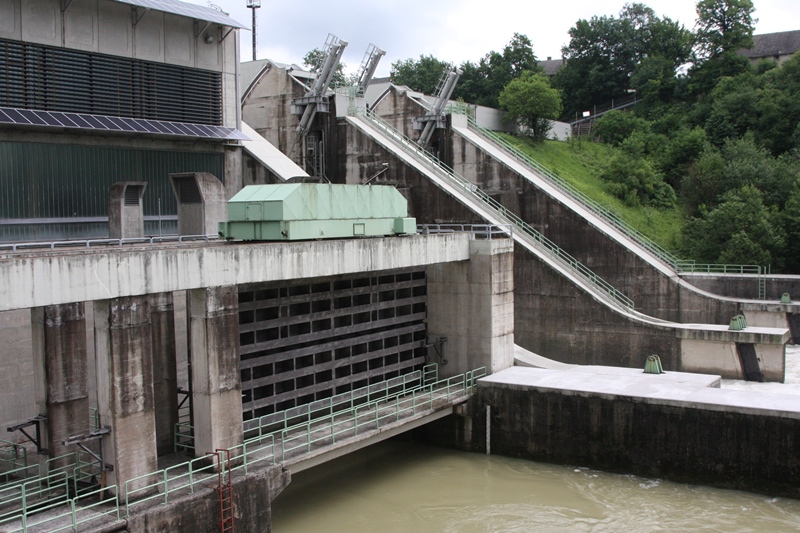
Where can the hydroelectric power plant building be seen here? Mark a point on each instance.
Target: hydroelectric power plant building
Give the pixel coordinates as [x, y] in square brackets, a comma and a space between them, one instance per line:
[137, 373]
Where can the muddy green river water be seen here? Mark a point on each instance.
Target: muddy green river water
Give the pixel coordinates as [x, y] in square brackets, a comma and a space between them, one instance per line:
[399, 486]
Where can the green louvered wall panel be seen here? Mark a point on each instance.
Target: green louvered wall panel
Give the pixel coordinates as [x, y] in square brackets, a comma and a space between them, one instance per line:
[55, 181]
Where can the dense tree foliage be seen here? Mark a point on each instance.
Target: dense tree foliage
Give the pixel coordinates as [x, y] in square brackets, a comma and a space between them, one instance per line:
[720, 139]
[531, 102]
[740, 230]
[711, 134]
[314, 60]
[481, 82]
[420, 75]
[724, 26]
[605, 54]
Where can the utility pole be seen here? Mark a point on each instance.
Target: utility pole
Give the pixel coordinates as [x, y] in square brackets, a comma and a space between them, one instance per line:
[253, 5]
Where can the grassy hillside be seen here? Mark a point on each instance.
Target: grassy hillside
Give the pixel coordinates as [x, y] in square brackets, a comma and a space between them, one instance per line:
[579, 162]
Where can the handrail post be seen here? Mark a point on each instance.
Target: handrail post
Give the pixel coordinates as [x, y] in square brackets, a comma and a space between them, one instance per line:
[166, 486]
[191, 477]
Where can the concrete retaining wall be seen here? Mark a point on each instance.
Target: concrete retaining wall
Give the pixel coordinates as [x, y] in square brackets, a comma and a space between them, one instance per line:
[654, 293]
[199, 512]
[746, 285]
[723, 445]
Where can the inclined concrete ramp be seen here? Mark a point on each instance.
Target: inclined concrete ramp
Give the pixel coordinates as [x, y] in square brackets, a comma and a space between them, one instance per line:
[754, 307]
[408, 154]
[268, 155]
[703, 346]
[523, 357]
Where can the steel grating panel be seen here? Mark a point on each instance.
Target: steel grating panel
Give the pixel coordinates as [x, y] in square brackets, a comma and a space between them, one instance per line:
[187, 10]
[305, 342]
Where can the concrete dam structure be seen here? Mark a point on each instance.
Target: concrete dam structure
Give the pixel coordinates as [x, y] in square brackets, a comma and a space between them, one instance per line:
[589, 329]
[167, 380]
[272, 329]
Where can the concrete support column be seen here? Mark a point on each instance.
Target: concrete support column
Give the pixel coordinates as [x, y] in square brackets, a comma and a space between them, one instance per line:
[216, 383]
[471, 303]
[125, 387]
[165, 382]
[59, 354]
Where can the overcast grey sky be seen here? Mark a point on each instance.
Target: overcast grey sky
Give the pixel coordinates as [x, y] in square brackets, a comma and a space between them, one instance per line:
[450, 30]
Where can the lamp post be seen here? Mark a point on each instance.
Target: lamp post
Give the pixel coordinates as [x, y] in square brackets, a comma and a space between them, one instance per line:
[253, 5]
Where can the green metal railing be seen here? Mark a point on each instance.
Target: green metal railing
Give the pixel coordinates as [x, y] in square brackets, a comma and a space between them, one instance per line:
[84, 508]
[679, 265]
[79, 466]
[370, 416]
[346, 400]
[15, 477]
[524, 230]
[41, 493]
[34, 492]
[183, 436]
[94, 418]
[12, 456]
[49, 492]
[170, 482]
[183, 433]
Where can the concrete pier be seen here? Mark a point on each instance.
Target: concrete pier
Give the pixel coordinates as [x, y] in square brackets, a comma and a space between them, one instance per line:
[216, 382]
[471, 304]
[125, 387]
[59, 354]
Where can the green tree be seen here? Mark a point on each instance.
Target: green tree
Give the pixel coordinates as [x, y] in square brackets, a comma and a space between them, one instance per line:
[735, 108]
[315, 59]
[482, 83]
[419, 75]
[724, 26]
[704, 181]
[633, 178]
[739, 163]
[532, 102]
[790, 222]
[740, 230]
[616, 126]
[604, 53]
[779, 109]
[680, 152]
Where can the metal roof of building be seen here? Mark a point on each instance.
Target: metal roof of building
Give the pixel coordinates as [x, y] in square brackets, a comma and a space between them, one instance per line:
[187, 10]
[773, 45]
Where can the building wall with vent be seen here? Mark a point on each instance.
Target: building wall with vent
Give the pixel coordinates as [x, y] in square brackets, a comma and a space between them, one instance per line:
[110, 59]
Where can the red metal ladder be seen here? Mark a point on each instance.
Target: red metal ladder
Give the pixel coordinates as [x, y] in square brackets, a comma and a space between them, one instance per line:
[224, 490]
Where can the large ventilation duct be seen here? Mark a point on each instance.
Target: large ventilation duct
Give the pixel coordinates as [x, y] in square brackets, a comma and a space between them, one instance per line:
[125, 210]
[201, 202]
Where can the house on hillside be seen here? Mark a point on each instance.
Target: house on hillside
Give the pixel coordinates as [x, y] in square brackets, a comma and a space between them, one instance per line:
[551, 66]
[778, 46]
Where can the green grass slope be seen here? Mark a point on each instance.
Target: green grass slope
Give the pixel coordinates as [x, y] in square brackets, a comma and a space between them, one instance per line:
[579, 162]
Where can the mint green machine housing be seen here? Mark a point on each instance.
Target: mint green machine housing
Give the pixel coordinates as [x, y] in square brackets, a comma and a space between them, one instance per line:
[303, 211]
